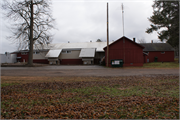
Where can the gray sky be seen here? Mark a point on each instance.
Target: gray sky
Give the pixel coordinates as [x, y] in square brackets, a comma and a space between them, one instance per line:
[85, 20]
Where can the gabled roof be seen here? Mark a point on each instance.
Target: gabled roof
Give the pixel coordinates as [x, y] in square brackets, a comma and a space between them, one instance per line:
[157, 47]
[126, 39]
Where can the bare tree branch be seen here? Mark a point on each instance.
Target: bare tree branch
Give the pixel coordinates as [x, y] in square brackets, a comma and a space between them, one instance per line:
[20, 12]
[142, 40]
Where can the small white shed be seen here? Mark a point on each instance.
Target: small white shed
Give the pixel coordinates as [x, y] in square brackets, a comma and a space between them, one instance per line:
[8, 58]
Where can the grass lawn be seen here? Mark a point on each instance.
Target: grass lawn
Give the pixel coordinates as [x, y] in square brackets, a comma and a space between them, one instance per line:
[155, 97]
[161, 65]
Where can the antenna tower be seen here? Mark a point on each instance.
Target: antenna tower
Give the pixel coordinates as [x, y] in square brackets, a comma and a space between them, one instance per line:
[123, 17]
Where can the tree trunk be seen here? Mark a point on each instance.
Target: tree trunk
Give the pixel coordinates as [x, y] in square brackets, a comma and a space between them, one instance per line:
[30, 59]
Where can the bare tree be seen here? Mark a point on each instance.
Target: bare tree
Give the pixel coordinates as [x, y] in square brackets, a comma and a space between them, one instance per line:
[32, 21]
[158, 41]
[142, 40]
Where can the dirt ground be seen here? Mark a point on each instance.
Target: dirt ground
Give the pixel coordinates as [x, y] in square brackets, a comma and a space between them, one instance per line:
[84, 71]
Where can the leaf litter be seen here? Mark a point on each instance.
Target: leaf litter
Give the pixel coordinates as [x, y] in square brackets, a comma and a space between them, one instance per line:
[77, 100]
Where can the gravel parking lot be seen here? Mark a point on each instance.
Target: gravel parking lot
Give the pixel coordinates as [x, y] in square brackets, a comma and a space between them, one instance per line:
[77, 70]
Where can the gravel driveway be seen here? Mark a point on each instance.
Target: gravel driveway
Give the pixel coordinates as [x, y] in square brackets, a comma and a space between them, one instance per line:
[78, 70]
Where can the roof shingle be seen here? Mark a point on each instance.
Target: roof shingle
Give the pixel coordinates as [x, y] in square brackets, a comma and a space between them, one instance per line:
[157, 47]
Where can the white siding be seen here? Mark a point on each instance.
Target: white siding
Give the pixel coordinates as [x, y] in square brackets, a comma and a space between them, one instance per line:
[3, 58]
[73, 55]
[40, 55]
[9, 58]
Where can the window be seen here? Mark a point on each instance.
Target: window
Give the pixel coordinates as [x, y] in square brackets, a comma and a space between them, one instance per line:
[23, 53]
[68, 51]
[162, 52]
[147, 52]
[35, 52]
[65, 52]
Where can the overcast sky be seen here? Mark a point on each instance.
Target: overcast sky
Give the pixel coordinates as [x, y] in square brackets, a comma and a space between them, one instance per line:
[85, 21]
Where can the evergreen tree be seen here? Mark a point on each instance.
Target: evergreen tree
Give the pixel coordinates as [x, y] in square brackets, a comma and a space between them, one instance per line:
[98, 40]
[165, 20]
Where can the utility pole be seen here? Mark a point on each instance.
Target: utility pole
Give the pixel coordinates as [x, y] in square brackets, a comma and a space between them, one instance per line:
[107, 58]
[123, 31]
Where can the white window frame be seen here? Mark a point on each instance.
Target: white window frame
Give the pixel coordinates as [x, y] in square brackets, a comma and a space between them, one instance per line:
[66, 52]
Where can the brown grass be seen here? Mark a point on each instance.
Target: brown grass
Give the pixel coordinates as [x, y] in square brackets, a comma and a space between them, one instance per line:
[135, 97]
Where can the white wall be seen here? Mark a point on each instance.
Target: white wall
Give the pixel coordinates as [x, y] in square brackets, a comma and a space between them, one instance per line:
[73, 55]
[3, 58]
[40, 55]
[9, 58]
[13, 58]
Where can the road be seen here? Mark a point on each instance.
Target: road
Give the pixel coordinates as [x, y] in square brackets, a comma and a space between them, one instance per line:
[78, 70]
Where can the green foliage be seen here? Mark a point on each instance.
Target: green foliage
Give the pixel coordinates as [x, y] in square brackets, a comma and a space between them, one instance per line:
[98, 40]
[165, 20]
